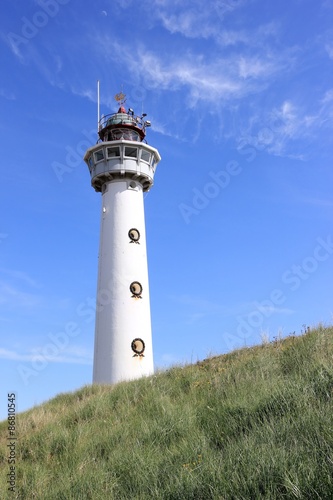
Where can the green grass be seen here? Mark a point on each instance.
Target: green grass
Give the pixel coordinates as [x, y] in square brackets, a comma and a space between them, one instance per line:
[253, 424]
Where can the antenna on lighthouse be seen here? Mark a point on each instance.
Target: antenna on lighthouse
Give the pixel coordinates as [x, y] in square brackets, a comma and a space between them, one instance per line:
[98, 106]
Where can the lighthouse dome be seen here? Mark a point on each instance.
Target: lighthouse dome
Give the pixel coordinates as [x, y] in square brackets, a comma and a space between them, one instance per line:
[123, 125]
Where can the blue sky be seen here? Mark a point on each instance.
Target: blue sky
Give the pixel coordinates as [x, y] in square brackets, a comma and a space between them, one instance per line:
[239, 221]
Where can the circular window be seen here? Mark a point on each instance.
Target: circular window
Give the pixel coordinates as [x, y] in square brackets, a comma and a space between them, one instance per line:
[138, 346]
[136, 288]
[134, 235]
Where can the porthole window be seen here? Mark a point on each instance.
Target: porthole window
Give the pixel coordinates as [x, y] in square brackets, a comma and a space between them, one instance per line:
[131, 152]
[136, 289]
[138, 346]
[99, 155]
[134, 235]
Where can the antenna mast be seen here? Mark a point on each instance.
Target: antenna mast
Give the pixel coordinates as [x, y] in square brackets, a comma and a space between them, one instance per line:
[98, 106]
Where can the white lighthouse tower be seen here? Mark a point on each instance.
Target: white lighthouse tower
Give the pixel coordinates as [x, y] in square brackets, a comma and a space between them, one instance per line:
[122, 168]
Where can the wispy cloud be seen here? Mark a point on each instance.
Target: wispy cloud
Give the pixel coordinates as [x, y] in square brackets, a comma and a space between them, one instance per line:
[319, 202]
[11, 44]
[19, 290]
[193, 18]
[164, 129]
[257, 67]
[14, 297]
[74, 355]
[281, 130]
[300, 123]
[44, 58]
[211, 79]
[329, 50]
[328, 97]
[269, 309]
[6, 94]
[198, 307]
[89, 94]
[20, 276]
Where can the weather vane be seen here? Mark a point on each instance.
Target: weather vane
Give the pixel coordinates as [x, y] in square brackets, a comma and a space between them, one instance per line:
[120, 97]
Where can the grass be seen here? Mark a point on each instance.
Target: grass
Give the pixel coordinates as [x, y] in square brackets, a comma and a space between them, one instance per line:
[253, 424]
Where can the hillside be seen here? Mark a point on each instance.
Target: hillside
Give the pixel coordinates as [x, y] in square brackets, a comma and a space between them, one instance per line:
[255, 423]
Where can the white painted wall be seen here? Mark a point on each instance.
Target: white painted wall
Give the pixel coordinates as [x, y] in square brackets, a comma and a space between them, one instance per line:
[120, 318]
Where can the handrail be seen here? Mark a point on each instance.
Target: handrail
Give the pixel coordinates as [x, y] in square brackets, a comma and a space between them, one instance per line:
[121, 119]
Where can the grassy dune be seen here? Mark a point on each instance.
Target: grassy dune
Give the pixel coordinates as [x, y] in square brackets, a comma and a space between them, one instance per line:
[255, 423]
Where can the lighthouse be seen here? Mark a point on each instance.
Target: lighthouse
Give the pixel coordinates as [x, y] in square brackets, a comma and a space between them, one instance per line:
[122, 167]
